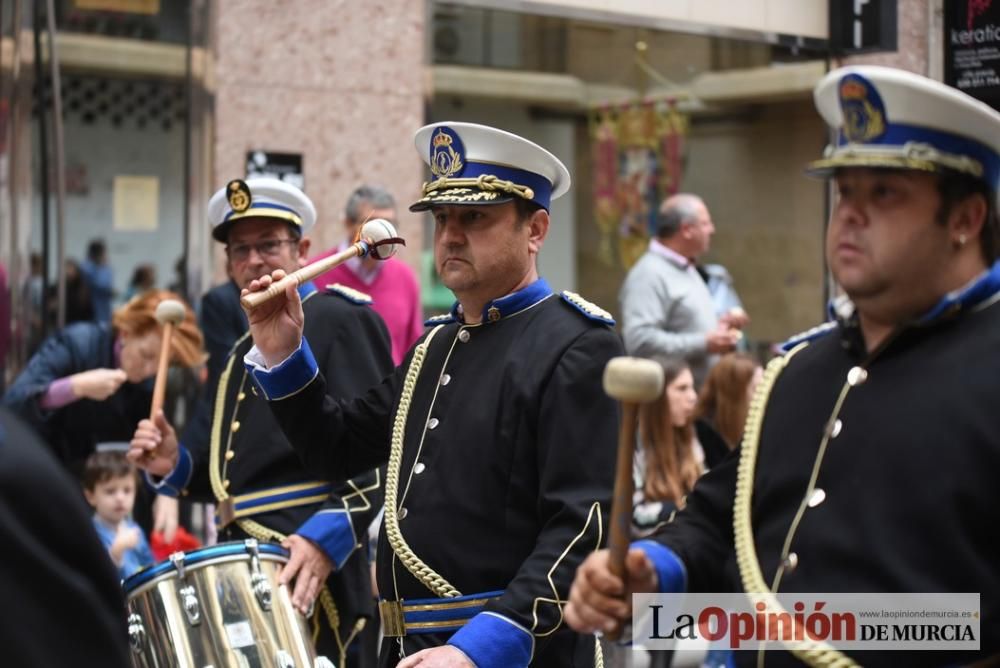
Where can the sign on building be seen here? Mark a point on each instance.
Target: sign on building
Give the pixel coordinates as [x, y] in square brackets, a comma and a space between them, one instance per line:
[284, 166]
[862, 26]
[972, 48]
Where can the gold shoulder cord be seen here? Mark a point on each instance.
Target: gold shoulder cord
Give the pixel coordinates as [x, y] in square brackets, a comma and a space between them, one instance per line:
[258, 530]
[424, 573]
[810, 652]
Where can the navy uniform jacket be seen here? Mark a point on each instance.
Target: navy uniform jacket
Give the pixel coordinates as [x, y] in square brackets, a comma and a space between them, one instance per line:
[63, 605]
[222, 321]
[506, 470]
[909, 480]
[234, 439]
[75, 429]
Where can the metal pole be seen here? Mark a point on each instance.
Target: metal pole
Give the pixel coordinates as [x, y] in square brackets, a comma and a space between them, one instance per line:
[43, 154]
[60, 160]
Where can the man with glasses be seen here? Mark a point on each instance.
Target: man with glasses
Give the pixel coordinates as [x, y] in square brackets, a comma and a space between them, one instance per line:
[234, 454]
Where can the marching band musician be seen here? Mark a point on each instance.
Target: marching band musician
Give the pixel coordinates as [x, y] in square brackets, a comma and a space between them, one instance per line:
[498, 436]
[870, 459]
[234, 454]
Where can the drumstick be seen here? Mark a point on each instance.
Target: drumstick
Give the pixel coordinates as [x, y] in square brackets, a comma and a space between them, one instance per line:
[169, 312]
[632, 381]
[377, 238]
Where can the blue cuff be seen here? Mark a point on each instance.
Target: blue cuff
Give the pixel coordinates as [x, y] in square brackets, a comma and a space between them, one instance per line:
[494, 641]
[287, 378]
[669, 567]
[177, 480]
[333, 532]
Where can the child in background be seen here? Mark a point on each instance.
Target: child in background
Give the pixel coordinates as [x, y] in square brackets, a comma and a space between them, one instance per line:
[109, 482]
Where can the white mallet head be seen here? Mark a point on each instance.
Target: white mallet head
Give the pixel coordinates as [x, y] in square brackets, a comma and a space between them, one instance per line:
[633, 379]
[170, 310]
[379, 229]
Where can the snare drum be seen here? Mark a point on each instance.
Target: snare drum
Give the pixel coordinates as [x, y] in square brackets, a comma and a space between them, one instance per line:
[218, 607]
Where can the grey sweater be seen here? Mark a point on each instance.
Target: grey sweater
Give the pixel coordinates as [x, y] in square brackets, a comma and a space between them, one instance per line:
[667, 310]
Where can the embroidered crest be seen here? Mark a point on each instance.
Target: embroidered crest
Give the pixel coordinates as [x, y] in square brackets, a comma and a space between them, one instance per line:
[238, 194]
[350, 294]
[864, 113]
[447, 153]
[589, 309]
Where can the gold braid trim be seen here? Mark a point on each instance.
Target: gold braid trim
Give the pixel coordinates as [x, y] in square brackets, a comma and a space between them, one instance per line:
[598, 653]
[810, 652]
[486, 182]
[256, 529]
[424, 573]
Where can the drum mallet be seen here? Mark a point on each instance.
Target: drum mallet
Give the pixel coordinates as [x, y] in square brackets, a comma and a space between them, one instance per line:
[377, 238]
[632, 381]
[169, 313]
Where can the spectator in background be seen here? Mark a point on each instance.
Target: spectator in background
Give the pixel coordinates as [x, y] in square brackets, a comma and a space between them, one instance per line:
[99, 279]
[391, 283]
[667, 309]
[109, 482]
[723, 404]
[669, 458]
[79, 302]
[143, 279]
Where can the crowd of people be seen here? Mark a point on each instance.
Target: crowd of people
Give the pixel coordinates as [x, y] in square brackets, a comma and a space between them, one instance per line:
[468, 461]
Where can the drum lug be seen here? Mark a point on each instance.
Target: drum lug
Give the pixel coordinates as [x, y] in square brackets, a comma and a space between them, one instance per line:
[258, 581]
[323, 662]
[187, 594]
[189, 599]
[136, 633]
[284, 660]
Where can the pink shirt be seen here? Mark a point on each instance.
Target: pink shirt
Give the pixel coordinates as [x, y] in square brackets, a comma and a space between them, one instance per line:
[396, 295]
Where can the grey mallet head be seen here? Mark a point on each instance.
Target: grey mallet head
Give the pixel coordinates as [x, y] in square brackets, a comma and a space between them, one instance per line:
[170, 310]
[379, 229]
[633, 379]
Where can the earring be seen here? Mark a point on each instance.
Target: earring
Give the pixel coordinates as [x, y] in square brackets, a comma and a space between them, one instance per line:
[962, 239]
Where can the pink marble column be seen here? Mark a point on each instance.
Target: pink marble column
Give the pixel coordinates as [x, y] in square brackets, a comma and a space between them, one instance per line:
[339, 82]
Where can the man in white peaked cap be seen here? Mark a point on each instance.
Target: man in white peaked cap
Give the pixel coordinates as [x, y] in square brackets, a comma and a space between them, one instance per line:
[498, 436]
[233, 453]
[870, 453]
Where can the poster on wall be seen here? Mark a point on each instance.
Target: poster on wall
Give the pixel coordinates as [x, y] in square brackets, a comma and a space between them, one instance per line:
[284, 166]
[972, 48]
[136, 203]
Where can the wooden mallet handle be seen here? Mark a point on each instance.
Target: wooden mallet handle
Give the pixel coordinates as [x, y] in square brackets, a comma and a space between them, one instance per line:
[632, 381]
[377, 233]
[169, 312]
[298, 277]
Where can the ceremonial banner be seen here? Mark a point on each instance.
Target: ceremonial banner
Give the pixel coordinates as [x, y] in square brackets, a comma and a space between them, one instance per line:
[637, 153]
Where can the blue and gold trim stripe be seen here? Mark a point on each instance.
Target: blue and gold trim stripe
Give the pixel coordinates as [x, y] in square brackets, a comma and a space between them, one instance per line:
[279, 498]
[432, 615]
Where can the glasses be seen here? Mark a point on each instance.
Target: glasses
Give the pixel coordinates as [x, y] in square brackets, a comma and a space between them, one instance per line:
[266, 248]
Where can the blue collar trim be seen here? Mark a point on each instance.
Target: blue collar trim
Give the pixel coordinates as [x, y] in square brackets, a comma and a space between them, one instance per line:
[511, 304]
[978, 290]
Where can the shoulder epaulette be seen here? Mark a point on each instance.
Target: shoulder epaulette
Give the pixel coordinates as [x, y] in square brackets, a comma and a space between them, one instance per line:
[442, 319]
[350, 294]
[809, 335]
[589, 309]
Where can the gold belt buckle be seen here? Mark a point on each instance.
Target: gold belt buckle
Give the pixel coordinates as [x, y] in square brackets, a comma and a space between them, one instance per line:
[226, 512]
[393, 624]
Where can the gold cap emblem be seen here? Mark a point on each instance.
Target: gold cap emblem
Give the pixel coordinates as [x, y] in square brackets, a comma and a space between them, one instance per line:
[239, 195]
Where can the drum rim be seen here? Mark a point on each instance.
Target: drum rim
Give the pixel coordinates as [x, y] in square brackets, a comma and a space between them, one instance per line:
[201, 557]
